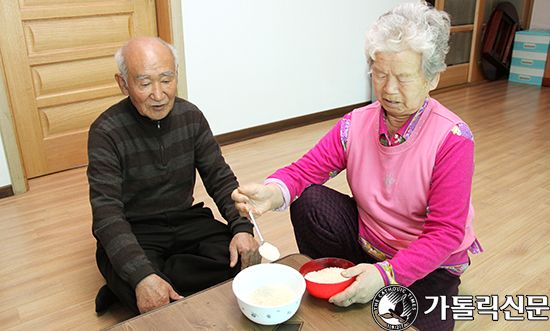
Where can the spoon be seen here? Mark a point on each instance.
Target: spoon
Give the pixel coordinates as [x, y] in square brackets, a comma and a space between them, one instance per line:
[267, 251]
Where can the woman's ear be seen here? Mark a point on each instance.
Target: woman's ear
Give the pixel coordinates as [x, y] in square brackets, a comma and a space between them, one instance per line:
[435, 82]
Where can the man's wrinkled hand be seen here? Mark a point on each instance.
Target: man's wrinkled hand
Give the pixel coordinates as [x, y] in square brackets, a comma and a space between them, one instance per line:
[244, 245]
[153, 292]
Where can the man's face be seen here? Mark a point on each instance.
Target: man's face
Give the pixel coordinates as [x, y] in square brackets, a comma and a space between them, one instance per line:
[152, 79]
[398, 82]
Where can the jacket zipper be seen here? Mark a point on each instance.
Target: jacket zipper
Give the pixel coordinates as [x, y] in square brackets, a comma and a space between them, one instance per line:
[161, 145]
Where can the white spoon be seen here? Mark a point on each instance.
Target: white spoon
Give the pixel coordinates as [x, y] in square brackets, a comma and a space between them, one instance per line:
[268, 251]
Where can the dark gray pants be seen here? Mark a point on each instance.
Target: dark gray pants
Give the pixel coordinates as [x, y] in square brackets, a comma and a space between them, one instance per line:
[190, 250]
[326, 224]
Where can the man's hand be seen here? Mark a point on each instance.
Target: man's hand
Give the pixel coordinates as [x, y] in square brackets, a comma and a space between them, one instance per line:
[362, 290]
[244, 245]
[153, 292]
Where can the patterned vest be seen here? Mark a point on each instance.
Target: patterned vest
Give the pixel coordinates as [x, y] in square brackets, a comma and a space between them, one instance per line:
[391, 184]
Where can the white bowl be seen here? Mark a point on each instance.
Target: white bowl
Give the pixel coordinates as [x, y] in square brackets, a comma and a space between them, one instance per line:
[260, 275]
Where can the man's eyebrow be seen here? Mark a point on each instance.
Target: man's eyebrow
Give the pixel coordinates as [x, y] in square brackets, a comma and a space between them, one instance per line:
[167, 73]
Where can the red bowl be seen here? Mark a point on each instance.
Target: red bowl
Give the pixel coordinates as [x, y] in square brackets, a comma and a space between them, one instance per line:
[324, 290]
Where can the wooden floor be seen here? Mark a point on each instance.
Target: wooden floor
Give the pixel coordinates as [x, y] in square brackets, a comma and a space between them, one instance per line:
[48, 276]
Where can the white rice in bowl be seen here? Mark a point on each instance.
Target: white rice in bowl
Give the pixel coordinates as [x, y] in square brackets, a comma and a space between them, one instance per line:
[271, 295]
[330, 275]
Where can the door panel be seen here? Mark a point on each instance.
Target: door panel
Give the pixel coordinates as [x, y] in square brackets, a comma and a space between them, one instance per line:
[68, 34]
[65, 118]
[59, 68]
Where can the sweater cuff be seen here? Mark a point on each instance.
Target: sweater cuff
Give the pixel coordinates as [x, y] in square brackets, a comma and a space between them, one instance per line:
[242, 225]
[386, 270]
[284, 190]
[139, 275]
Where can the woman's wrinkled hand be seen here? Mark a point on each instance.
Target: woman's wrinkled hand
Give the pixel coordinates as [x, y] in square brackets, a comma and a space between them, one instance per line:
[256, 197]
[362, 290]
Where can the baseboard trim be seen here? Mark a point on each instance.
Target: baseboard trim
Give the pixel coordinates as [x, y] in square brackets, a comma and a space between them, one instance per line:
[6, 191]
[262, 130]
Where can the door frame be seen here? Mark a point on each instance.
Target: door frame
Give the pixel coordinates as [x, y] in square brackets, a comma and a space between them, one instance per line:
[170, 29]
[171, 11]
[9, 138]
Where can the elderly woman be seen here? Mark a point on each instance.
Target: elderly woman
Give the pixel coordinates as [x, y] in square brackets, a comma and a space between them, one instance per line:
[409, 163]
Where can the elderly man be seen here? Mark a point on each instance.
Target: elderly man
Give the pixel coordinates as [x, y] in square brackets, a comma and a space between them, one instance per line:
[153, 244]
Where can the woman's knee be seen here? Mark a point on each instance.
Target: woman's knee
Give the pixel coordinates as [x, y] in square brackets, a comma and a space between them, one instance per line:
[311, 198]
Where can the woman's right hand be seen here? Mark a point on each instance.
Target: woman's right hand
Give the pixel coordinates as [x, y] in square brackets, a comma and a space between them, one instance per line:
[257, 197]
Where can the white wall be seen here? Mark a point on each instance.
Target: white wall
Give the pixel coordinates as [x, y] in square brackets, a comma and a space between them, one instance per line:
[251, 62]
[5, 179]
[540, 18]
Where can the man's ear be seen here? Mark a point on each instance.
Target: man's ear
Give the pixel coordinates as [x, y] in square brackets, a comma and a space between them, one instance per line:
[122, 84]
[435, 82]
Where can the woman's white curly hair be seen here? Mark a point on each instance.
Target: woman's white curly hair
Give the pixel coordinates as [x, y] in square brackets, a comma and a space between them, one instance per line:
[412, 26]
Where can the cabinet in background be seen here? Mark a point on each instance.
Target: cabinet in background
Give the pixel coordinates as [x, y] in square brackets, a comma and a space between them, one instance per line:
[468, 19]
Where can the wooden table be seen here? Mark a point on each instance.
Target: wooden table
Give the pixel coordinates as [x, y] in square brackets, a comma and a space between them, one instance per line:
[216, 308]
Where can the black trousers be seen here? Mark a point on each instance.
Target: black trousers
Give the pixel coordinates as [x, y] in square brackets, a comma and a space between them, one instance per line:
[326, 225]
[190, 250]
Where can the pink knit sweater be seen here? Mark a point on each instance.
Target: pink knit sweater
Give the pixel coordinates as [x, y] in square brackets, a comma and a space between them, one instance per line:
[413, 199]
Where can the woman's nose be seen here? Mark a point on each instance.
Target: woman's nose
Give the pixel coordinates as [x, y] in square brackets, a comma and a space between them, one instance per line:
[390, 85]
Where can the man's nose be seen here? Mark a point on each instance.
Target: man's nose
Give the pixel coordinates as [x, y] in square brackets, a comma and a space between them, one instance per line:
[157, 93]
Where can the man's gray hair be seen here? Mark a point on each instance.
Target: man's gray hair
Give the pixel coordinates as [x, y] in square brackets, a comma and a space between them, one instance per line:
[415, 26]
[121, 60]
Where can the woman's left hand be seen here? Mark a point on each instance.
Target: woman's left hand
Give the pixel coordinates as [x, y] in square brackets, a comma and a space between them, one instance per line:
[362, 290]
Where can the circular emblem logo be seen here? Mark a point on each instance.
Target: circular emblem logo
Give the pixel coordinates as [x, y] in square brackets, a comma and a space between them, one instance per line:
[394, 307]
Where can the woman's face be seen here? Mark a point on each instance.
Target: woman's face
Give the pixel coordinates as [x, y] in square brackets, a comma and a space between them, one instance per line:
[399, 84]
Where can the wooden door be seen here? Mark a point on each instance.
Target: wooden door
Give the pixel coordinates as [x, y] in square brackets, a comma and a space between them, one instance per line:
[59, 70]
